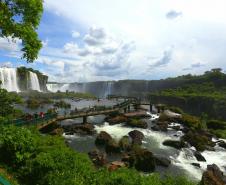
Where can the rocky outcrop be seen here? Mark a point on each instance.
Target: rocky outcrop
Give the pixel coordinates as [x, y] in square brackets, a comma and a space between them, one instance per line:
[98, 158]
[199, 156]
[160, 126]
[116, 119]
[222, 144]
[201, 140]
[162, 161]
[213, 176]
[83, 129]
[174, 144]
[112, 147]
[103, 138]
[125, 143]
[137, 123]
[136, 136]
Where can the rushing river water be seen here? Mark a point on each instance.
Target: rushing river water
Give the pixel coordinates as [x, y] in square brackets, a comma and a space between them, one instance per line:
[180, 159]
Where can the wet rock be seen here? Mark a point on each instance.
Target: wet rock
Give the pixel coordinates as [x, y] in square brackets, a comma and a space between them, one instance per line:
[103, 138]
[196, 165]
[162, 126]
[112, 147]
[213, 176]
[136, 136]
[162, 161]
[116, 165]
[174, 144]
[124, 143]
[199, 156]
[137, 123]
[222, 144]
[98, 158]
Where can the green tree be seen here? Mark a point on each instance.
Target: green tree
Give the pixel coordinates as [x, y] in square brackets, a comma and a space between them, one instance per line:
[19, 19]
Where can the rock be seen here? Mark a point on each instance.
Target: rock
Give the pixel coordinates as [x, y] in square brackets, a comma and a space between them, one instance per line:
[213, 176]
[162, 161]
[115, 165]
[136, 136]
[103, 138]
[117, 119]
[222, 144]
[199, 156]
[124, 143]
[98, 158]
[196, 165]
[83, 129]
[137, 123]
[162, 126]
[144, 160]
[175, 144]
[200, 139]
[170, 116]
[112, 147]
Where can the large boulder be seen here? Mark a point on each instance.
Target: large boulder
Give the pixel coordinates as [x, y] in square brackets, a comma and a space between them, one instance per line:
[160, 126]
[222, 144]
[162, 161]
[140, 158]
[98, 158]
[199, 156]
[174, 144]
[112, 147]
[103, 138]
[136, 136]
[213, 176]
[137, 123]
[124, 143]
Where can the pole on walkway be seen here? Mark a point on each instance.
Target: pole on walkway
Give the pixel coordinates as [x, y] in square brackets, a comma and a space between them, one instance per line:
[84, 119]
[151, 107]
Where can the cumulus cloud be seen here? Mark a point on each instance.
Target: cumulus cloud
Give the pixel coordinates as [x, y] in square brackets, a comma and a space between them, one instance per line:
[6, 64]
[164, 60]
[173, 14]
[95, 36]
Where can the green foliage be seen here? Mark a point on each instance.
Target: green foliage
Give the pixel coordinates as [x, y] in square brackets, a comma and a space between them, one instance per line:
[33, 103]
[191, 121]
[19, 19]
[7, 100]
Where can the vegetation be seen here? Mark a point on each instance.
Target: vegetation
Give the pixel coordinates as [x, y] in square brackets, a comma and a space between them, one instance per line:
[62, 104]
[19, 19]
[7, 100]
[38, 159]
[33, 103]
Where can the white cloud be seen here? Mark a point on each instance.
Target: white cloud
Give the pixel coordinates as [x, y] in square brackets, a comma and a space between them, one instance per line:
[10, 44]
[75, 34]
[199, 35]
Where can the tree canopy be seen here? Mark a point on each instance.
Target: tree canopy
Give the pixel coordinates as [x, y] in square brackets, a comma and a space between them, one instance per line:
[20, 19]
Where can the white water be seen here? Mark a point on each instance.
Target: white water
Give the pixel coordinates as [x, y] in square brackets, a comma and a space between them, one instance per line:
[108, 89]
[34, 82]
[8, 77]
[181, 159]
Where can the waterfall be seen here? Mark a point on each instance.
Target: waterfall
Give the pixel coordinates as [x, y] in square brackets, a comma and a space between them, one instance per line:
[108, 89]
[34, 82]
[58, 87]
[8, 77]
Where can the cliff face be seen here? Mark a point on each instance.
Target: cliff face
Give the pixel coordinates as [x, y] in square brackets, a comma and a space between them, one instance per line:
[24, 80]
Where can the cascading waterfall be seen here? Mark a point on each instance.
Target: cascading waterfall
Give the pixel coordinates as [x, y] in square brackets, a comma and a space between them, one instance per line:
[108, 89]
[8, 77]
[34, 82]
[58, 87]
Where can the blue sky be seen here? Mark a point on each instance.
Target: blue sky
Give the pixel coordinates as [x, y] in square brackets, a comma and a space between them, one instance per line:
[90, 40]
